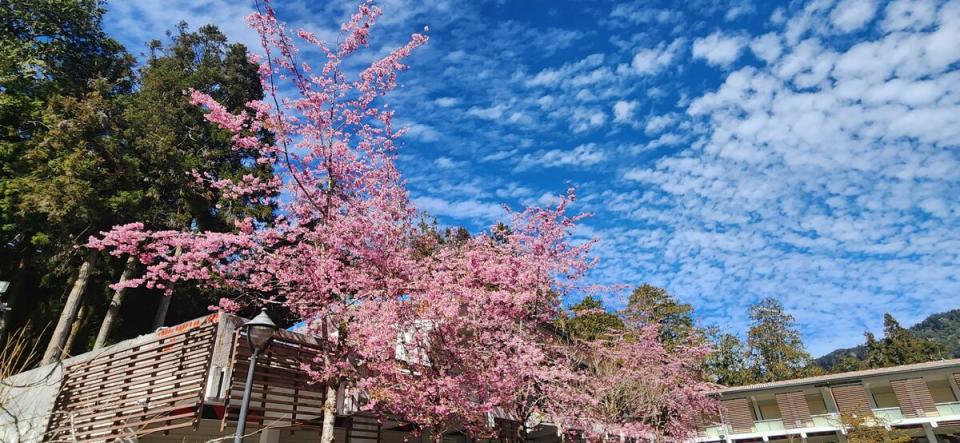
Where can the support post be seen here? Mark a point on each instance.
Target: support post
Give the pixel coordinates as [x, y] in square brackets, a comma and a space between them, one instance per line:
[928, 430]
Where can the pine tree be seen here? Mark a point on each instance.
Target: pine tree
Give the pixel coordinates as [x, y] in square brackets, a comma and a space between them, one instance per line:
[899, 347]
[590, 320]
[776, 349]
[650, 304]
[55, 59]
[728, 364]
[178, 140]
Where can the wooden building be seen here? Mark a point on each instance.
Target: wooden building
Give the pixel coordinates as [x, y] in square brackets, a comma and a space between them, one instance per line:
[185, 384]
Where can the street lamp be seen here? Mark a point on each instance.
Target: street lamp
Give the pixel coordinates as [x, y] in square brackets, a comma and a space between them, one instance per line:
[259, 334]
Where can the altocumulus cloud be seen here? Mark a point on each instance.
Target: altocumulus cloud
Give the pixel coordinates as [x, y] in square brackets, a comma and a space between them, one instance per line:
[827, 175]
[730, 150]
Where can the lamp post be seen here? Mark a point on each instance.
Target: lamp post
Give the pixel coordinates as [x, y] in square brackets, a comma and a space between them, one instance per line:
[259, 334]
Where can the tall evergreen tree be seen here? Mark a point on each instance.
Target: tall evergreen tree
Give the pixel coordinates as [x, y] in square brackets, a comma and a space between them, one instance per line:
[60, 160]
[899, 347]
[728, 364]
[178, 140]
[777, 351]
[651, 304]
[591, 320]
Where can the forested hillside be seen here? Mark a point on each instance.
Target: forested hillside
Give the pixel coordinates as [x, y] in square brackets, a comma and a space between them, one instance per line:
[942, 328]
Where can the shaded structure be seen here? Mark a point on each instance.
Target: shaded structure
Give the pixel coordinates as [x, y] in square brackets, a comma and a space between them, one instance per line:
[922, 400]
[185, 383]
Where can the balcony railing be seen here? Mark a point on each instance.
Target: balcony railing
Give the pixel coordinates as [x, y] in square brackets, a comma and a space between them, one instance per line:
[888, 414]
[825, 420]
[775, 424]
[948, 408]
[716, 431]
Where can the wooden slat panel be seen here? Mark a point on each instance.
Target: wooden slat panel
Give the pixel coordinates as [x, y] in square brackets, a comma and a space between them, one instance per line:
[738, 414]
[914, 397]
[794, 409]
[852, 399]
[283, 395]
[151, 387]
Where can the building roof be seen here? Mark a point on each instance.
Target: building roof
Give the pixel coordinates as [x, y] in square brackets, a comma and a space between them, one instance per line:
[843, 377]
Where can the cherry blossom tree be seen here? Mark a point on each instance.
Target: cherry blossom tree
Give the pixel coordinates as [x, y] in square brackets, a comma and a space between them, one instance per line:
[476, 320]
[473, 318]
[339, 249]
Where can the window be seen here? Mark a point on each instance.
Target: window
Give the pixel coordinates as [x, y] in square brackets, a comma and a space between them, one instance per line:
[816, 404]
[883, 396]
[768, 409]
[941, 391]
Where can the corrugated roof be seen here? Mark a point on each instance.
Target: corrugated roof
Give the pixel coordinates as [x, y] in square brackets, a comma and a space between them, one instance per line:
[844, 376]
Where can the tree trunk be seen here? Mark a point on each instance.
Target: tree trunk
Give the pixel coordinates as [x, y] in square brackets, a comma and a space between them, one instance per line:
[70, 308]
[78, 323]
[115, 303]
[161, 317]
[329, 414]
[13, 294]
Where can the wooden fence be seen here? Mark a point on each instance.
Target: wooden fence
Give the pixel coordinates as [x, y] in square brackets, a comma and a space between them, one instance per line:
[149, 387]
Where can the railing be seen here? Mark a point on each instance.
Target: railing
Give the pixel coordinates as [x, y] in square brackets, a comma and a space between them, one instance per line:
[948, 408]
[888, 414]
[830, 420]
[716, 431]
[775, 424]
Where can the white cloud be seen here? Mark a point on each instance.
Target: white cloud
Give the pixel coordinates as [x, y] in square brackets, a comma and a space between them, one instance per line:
[446, 102]
[581, 156]
[583, 119]
[909, 14]
[718, 48]
[825, 178]
[460, 209]
[638, 12]
[851, 15]
[653, 60]
[445, 163]
[488, 113]
[579, 71]
[422, 132]
[767, 47]
[739, 9]
[499, 155]
[623, 111]
[657, 123]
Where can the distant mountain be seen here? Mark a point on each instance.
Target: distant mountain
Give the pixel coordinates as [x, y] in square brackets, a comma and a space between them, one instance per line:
[943, 328]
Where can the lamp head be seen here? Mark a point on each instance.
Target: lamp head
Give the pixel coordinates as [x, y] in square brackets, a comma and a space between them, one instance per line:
[259, 331]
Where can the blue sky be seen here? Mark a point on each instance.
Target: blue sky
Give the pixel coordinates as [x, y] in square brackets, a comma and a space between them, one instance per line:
[729, 151]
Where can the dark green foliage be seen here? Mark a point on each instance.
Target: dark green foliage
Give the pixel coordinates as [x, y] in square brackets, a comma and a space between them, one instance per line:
[86, 143]
[943, 328]
[590, 320]
[650, 304]
[728, 364]
[429, 236]
[63, 169]
[934, 338]
[899, 347]
[773, 351]
[178, 140]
